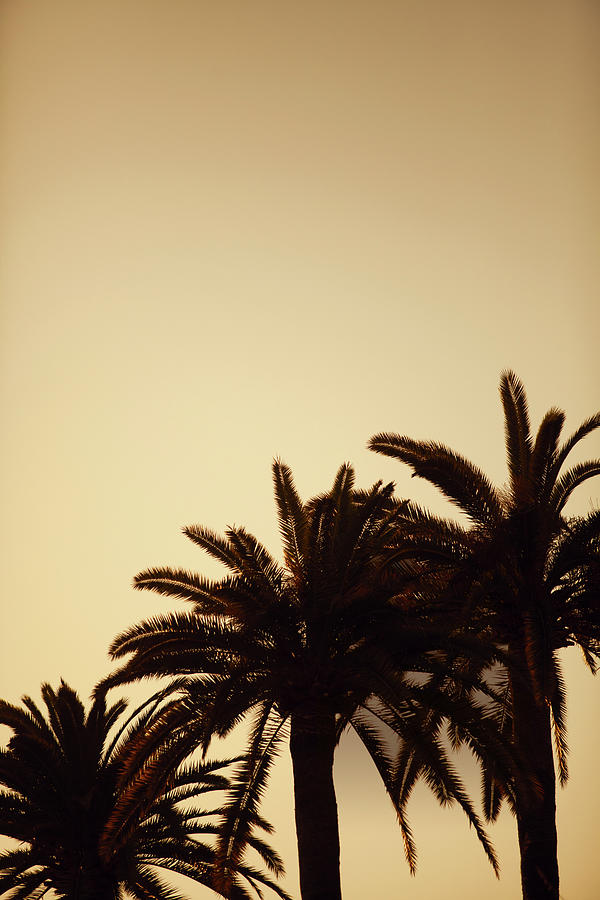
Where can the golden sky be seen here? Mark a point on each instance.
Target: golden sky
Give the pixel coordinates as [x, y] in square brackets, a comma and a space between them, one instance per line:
[233, 230]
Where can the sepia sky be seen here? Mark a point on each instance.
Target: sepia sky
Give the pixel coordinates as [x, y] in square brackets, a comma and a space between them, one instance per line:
[235, 230]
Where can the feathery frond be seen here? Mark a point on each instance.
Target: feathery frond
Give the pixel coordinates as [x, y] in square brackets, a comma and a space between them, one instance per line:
[458, 479]
[516, 425]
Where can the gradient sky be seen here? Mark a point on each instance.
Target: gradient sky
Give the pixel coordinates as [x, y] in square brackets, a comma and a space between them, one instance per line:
[237, 230]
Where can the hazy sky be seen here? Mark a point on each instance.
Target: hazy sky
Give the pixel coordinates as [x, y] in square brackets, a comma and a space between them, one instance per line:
[235, 230]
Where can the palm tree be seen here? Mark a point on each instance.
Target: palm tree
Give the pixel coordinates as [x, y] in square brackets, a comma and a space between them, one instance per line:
[98, 812]
[531, 576]
[313, 647]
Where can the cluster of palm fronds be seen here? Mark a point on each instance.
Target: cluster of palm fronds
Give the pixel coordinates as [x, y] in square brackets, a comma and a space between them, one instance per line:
[417, 633]
[99, 808]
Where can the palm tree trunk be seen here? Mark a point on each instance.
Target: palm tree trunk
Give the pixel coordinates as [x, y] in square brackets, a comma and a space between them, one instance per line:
[536, 809]
[312, 743]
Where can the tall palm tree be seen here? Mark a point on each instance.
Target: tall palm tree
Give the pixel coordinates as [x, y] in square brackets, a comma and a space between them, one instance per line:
[531, 576]
[313, 647]
[99, 814]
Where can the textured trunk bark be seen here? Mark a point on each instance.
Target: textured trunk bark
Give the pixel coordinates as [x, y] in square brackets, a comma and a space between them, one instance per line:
[536, 813]
[312, 743]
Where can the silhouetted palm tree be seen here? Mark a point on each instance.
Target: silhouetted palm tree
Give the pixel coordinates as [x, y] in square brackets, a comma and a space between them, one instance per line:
[531, 577]
[100, 814]
[318, 645]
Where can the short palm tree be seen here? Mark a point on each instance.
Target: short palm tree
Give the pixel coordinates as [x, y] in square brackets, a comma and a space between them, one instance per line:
[531, 577]
[313, 647]
[96, 815]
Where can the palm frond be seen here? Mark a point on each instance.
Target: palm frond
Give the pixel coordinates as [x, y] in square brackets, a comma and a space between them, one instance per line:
[584, 429]
[13, 863]
[215, 545]
[377, 748]
[181, 584]
[458, 479]
[27, 885]
[517, 430]
[24, 721]
[177, 636]
[257, 566]
[267, 734]
[145, 885]
[292, 517]
[545, 450]
[254, 877]
[571, 479]
[343, 483]
[214, 708]
[558, 708]
[136, 722]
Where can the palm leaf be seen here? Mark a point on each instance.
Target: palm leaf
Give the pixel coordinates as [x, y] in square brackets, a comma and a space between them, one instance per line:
[558, 705]
[181, 584]
[571, 479]
[216, 546]
[584, 429]
[545, 450]
[516, 426]
[292, 517]
[249, 784]
[458, 479]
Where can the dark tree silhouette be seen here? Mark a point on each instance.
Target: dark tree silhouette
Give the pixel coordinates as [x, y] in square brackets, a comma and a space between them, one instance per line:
[99, 813]
[530, 578]
[319, 645]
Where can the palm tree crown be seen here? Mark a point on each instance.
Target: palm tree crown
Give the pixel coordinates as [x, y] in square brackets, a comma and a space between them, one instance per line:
[312, 647]
[100, 815]
[531, 577]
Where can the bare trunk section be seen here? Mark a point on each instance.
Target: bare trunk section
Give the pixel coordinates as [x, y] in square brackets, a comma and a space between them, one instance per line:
[312, 744]
[536, 810]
